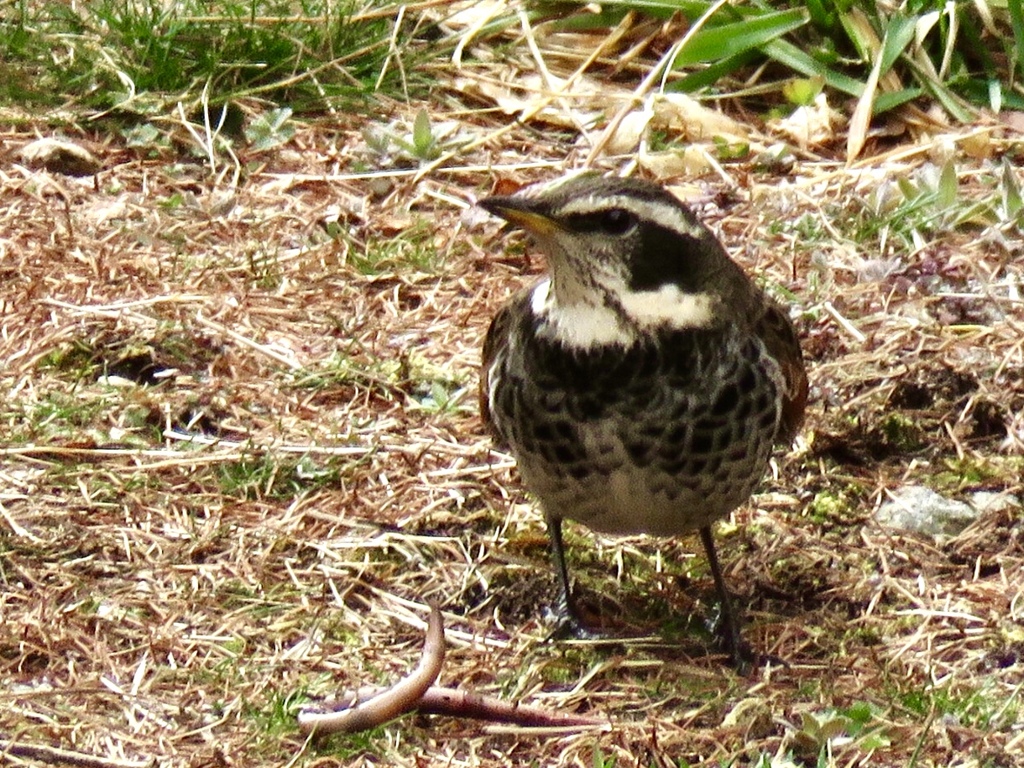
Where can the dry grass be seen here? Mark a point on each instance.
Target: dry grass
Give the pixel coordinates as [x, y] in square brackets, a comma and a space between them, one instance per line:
[240, 454]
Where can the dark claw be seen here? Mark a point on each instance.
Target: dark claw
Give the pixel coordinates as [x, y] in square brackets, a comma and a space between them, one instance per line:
[569, 625]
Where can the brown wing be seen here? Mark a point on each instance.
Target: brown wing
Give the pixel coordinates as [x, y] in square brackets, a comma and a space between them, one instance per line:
[778, 335]
[497, 337]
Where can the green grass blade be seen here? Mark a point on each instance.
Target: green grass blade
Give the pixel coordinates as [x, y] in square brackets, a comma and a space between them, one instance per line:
[711, 74]
[1009, 187]
[892, 99]
[946, 192]
[950, 101]
[790, 56]
[978, 91]
[823, 14]
[898, 35]
[726, 40]
[1017, 24]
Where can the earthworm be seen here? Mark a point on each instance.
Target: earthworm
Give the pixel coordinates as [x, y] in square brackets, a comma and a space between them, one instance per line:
[387, 704]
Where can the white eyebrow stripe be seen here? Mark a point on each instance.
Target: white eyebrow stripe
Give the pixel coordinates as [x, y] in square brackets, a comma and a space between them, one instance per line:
[666, 214]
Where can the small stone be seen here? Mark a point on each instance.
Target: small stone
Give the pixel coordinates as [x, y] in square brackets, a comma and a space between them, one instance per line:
[919, 509]
[993, 501]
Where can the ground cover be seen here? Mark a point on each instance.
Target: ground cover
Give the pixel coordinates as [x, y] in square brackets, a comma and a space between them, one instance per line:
[241, 449]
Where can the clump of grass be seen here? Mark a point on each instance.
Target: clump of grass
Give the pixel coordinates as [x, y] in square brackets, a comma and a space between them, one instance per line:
[858, 728]
[278, 478]
[137, 55]
[916, 209]
[962, 56]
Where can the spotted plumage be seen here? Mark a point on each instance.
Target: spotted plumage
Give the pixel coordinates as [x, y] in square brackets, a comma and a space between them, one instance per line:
[642, 384]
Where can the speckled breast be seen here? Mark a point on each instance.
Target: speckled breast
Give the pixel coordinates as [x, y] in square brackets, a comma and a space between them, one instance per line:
[660, 437]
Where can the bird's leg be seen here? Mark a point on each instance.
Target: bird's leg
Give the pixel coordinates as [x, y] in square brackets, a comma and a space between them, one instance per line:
[730, 628]
[569, 623]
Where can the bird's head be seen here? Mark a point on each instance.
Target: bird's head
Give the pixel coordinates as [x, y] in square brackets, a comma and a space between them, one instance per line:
[623, 253]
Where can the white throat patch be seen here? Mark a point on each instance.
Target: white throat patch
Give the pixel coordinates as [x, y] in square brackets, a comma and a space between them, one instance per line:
[579, 326]
[668, 306]
[584, 326]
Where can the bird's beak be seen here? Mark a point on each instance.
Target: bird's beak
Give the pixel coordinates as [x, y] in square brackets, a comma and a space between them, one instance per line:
[521, 212]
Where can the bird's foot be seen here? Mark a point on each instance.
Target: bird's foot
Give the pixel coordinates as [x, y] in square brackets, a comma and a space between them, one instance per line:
[742, 655]
[727, 633]
[570, 625]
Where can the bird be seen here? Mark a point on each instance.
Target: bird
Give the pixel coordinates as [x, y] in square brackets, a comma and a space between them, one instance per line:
[642, 383]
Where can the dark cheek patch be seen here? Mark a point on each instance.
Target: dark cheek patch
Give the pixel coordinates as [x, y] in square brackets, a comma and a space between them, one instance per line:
[666, 257]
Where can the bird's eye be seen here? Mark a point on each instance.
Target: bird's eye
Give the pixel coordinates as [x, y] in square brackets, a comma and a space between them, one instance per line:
[617, 221]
